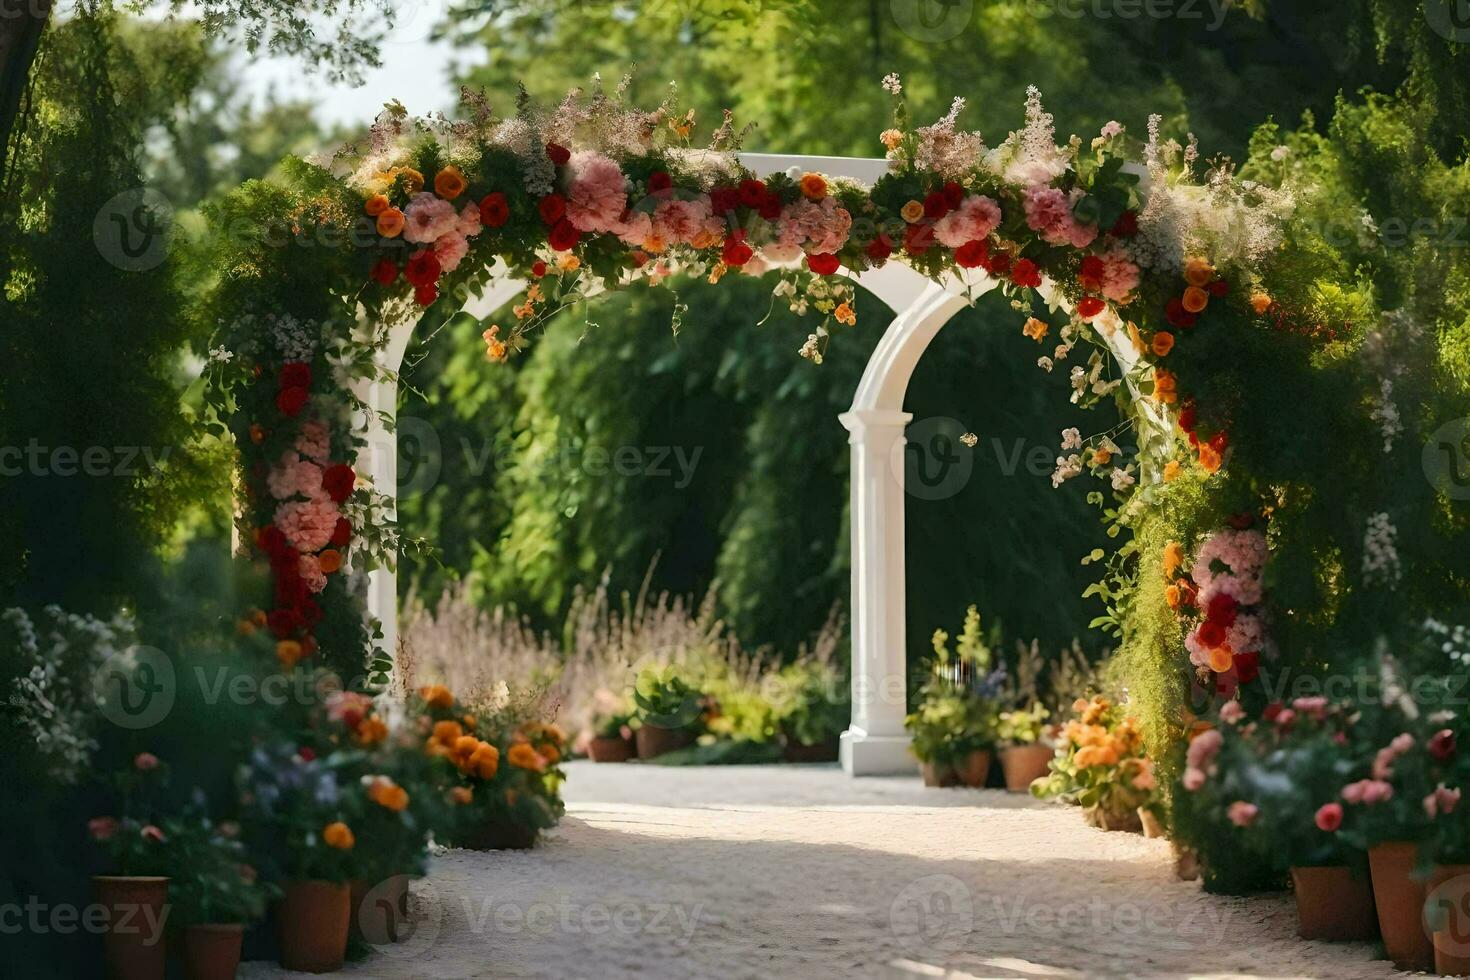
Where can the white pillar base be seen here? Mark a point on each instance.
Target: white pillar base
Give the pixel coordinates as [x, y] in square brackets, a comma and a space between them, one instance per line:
[876, 755]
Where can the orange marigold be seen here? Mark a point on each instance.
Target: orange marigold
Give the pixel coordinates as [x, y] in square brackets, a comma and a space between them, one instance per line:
[437, 696]
[371, 730]
[813, 186]
[1195, 299]
[377, 204]
[390, 223]
[462, 795]
[523, 756]
[449, 183]
[1198, 272]
[1162, 343]
[338, 835]
[1209, 458]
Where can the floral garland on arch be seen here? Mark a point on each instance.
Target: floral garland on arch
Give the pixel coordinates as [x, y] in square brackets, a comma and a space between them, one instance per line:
[1138, 247]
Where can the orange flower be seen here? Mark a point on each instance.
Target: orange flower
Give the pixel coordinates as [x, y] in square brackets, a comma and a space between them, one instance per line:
[1171, 470]
[388, 794]
[289, 653]
[1173, 558]
[465, 746]
[338, 835]
[1195, 299]
[447, 732]
[390, 223]
[1198, 272]
[523, 756]
[1135, 338]
[813, 186]
[891, 138]
[1209, 458]
[1165, 387]
[449, 183]
[912, 211]
[257, 434]
[371, 731]
[329, 561]
[1035, 329]
[1260, 302]
[377, 204]
[437, 696]
[462, 795]
[1162, 343]
[551, 753]
[1172, 596]
[412, 179]
[245, 628]
[1221, 660]
[1102, 455]
[845, 314]
[469, 721]
[555, 733]
[485, 760]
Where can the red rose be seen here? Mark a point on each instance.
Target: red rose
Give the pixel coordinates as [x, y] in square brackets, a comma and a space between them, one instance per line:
[954, 194]
[879, 248]
[752, 193]
[971, 255]
[770, 207]
[292, 400]
[1219, 441]
[1126, 226]
[385, 272]
[1242, 521]
[1089, 307]
[1219, 287]
[1247, 666]
[295, 375]
[283, 622]
[427, 294]
[1442, 744]
[1220, 609]
[342, 533]
[553, 208]
[1211, 635]
[918, 239]
[306, 753]
[735, 252]
[936, 205]
[494, 210]
[822, 263]
[660, 183]
[1188, 417]
[559, 154]
[539, 269]
[1177, 315]
[337, 480]
[998, 264]
[563, 236]
[723, 200]
[423, 268]
[1026, 274]
[1091, 274]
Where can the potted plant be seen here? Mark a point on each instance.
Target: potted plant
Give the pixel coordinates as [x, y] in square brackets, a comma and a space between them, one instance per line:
[214, 893]
[135, 893]
[954, 728]
[669, 710]
[612, 729]
[813, 712]
[1101, 766]
[302, 809]
[1025, 754]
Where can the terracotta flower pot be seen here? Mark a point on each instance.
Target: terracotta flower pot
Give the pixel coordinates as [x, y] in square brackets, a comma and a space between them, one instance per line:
[821, 752]
[1400, 902]
[313, 919]
[974, 768]
[379, 909]
[212, 950]
[939, 774]
[1105, 819]
[1152, 826]
[1334, 905]
[610, 749]
[654, 741]
[133, 947]
[1445, 914]
[1024, 764]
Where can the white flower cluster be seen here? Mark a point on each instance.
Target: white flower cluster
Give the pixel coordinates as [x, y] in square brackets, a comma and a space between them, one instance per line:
[1386, 414]
[50, 696]
[812, 349]
[1453, 640]
[1067, 468]
[296, 340]
[1380, 556]
[1090, 380]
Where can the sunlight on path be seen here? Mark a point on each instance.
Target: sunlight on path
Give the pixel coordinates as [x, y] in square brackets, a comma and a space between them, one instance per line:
[781, 871]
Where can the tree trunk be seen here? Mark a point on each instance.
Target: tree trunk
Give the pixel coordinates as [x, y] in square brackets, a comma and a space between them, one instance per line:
[22, 22]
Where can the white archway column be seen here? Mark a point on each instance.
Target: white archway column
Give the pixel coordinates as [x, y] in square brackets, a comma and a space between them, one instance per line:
[875, 742]
[377, 460]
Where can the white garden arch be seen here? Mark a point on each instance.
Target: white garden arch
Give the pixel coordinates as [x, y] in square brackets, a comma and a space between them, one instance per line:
[875, 742]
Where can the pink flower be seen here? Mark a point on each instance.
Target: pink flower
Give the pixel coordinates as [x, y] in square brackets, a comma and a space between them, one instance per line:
[429, 217]
[314, 441]
[1242, 813]
[973, 221]
[1144, 779]
[1204, 748]
[307, 524]
[469, 220]
[1193, 778]
[102, 828]
[819, 227]
[1367, 791]
[450, 249]
[150, 832]
[1049, 212]
[1120, 275]
[1111, 128]
[144, 761]
[682, 222]
[349, 707]
[597, 192]
[292, 477]
[1440, 801]
[1285, 718]
[1329, 817]
[1231, 712]
[1314, 707]
[1442, 744]
[311, 573]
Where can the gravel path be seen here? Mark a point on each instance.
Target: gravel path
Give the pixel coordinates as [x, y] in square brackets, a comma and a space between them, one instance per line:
[798, 871]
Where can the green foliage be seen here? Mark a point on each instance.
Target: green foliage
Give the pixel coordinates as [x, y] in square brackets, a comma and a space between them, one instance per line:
[815, 705]
[666, 698]
[1022, 727]
[211, 880]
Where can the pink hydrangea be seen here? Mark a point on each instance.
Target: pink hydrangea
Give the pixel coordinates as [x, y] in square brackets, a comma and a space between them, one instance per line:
[469, 220]
[683, 222]
[450, 250]
[310, 568]
[1241, 813]
[973, 221]
[1120, 275]
[634, 228]
[308, 524]
[314, 441]
[816, 226]
[1049, 212]
[294, 476]
[428, 217]
[1440, 801]
[597, 192]
[1247, 634]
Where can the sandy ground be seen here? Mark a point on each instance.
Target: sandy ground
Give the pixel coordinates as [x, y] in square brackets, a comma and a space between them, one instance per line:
[798, 871]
